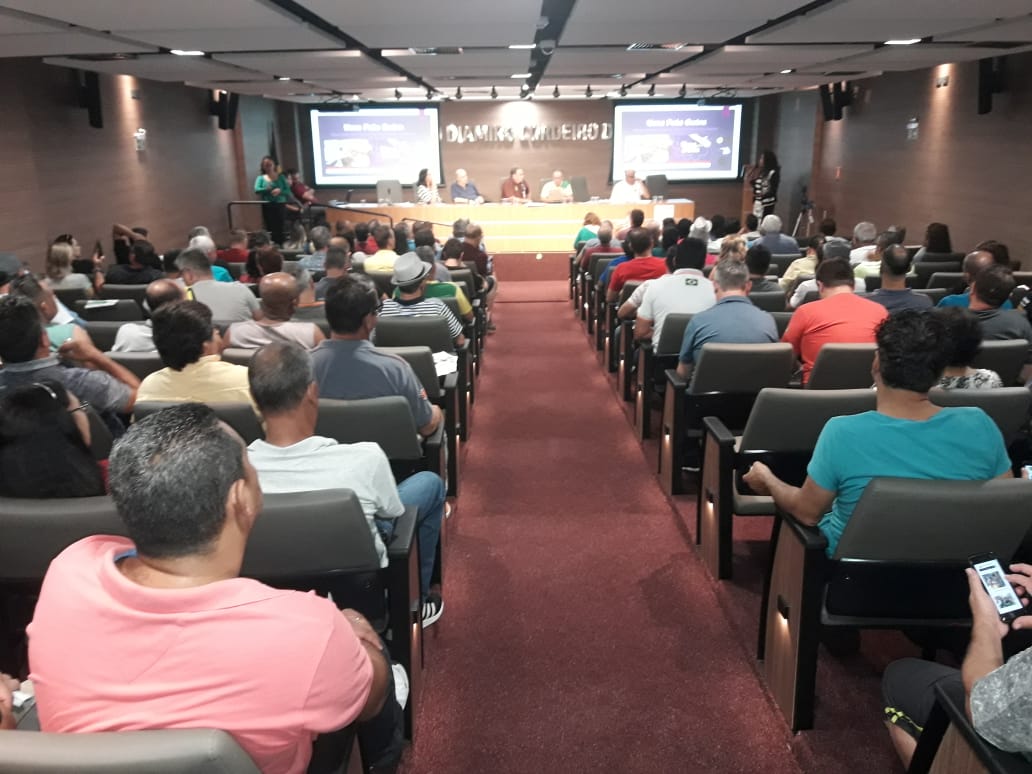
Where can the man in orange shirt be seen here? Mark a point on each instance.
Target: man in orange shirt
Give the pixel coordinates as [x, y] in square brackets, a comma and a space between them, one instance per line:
[839, 317]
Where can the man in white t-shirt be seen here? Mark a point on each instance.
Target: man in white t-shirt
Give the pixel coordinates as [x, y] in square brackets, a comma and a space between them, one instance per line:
[139, 336]
[685, 291]
[864, 236]
[628, 190]
[293, 459]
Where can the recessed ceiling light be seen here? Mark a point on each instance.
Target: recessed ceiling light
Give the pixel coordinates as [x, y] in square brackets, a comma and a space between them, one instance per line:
[520, 75]
[522, 46]
[903, 42]
[181, 52]
[282, 78]
[787, 71]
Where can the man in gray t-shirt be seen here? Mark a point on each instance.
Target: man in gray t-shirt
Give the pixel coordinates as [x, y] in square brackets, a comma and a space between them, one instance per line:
[228, 301]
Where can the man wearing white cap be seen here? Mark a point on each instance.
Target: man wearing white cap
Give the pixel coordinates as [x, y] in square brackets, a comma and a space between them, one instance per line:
[411, 274]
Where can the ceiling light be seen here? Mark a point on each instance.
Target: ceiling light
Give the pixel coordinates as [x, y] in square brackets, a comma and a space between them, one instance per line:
[397, 94]
[429, 93]
[522, 46]
[282, 78]
[899, 42]
[555, 92]
[652, 90]
[683, 91]
[458, 92]
[787, 71]
[181, 52]
[587, 92]
[623, 91]
[494, 93]
[520, 75]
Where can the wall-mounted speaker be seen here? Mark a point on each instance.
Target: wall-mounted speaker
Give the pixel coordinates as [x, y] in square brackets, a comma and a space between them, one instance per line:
[846, 98]
[837, 100]
[985, 86]
[89, 98]
[827, 105]
[228, 104]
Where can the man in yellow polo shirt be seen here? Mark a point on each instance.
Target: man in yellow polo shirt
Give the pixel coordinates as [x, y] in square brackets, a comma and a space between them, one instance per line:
[385, 256]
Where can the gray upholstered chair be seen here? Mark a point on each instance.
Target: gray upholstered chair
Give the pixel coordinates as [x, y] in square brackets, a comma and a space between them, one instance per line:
[1008, 407]
[238, 355]
[610, 324]
[842, 367]
[782, 319]
[653, 362]
[142, 364]
[137, 293]
[103, 333]
[779, 262]
[1006, 357]
[925, 269]
[946, 279]
[898, 565]
[239, 416]
[124, 309]
[769, 301]
[782, 431]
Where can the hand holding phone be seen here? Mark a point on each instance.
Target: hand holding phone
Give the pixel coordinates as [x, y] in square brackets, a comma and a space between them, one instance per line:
[994, 580]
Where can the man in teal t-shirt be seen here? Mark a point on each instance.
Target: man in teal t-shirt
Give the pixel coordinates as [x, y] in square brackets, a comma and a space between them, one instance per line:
[906, 437]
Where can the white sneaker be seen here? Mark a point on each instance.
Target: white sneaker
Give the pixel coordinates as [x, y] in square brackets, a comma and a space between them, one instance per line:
[433, 607]
[401, 685]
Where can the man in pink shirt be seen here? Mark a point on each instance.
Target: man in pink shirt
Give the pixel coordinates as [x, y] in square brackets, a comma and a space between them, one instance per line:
[839, 317]
[161, 632]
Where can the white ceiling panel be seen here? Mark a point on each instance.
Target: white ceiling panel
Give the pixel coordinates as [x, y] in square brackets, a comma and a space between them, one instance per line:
[403, 23]
[765, 59]
[571, 61]
[65, 43]
[1011, 30]
[299, 36]
[261, 88]
[486, 63]
[155, 15]
[14, 24]
[163, 67]
[312, 64]
[917, 56]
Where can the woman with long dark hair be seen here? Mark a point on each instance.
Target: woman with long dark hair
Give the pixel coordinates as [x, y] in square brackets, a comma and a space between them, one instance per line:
[765, 178]
[426, 188]
[45, 444]
[936, 241]
[272, 187]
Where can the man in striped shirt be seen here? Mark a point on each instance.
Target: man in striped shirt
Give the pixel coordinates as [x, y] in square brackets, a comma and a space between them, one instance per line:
[411, 274]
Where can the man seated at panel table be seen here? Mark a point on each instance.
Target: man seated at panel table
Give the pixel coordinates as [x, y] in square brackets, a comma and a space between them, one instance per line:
[642, 266]
[385, 256]
[907, 436]
[347, 365]
[293, 459]
[178, 640]
[628, 190]
[684, 291]
[733, 320]
[515, 188]
[464, 190]
[279, 299]
[839, 317]
[557, 189]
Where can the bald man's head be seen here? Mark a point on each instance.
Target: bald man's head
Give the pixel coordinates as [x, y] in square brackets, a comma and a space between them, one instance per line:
[161, 292]
[279, 293]
[975, 262]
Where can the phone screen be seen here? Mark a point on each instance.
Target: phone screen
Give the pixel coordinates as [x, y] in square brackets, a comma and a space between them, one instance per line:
[999, 589]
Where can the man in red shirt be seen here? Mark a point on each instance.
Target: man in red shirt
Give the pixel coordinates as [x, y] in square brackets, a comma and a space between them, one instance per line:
[605, 245]
[515, 188]
[237, 250]
[643, 266]
[839, 317]
[301, 192]
[176, 638]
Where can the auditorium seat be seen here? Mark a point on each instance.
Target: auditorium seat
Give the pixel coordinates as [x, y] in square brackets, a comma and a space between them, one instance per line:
[68, 296]
[238, 355]
[321, 541]
[137, 293]
[1008, 407]
[782, 319]
[925, 274]
[172, 751]
[780, 262]
[1006, 357]
[724, 384]
[595, 297]
[103, 333]
[781, 431]
[842, 367]
[236, 269]
[936, 294]
[652, 363]
[769, 301]
[142, 364]
[239, 416]
[898, 565]
[122, 309]
[950, 257]
[611, 342]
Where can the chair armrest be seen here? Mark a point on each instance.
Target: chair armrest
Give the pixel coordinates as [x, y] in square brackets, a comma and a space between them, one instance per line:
[712, 426]
[811, 538]
[674, 380]
[449, 381]
[404, 534]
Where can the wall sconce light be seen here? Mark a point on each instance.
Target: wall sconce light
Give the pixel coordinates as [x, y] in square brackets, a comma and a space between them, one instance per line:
[942, 81]
[140, 136]
[913, 128]
[783, 608]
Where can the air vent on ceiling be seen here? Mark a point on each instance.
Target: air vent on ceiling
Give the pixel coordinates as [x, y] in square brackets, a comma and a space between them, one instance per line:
[845, 73]
[655, 46]
[103, 57]
[437, 50]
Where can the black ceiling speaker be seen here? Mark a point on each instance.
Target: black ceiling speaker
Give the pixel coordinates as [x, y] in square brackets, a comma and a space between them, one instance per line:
[836, 100]
[228, 104]
[846, 98]
[89, 98]
[992, 79]
[826, 103]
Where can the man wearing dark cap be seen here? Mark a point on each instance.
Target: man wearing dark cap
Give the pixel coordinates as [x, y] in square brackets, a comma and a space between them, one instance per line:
[411, 274]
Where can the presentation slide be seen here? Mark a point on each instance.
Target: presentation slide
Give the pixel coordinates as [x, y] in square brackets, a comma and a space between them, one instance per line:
[683, 142]
[359, 147]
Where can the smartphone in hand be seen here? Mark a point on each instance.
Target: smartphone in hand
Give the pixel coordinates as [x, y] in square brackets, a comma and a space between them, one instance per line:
[995, 582]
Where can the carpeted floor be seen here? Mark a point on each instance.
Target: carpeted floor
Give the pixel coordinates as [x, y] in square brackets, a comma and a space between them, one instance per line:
[580, 633]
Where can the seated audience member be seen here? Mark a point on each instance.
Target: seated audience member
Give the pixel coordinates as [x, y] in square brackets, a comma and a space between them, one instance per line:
[403, 242]
[964, 340]
[732, 320]
[385, 256]
[999, 251]
[347, 365]
[206, 245]
[364, 242]
[864, 236]
[237, 251]
[143, 268]
[293, 459]
[308, 308]
[298, 239]
[190, 346]
[337, 264]
[731, 247]
[839, 317]
[995, 692]
[827, 230]
[701, 229]
[669, 240]
[717, 231]
[228, 301]
[628, 190]
[894, 294]
[605, 245]
[45, 444]
[267, 260]
[182, 484]
[806, 286]
[618, 261]
[279, 296]
[757, 259]
[411, 275]
[171, 269]
[139, 336]
[594, 241]
[451, 257]
[751, 230]
[936, 241]
[588, 230]
[906, 437]
[990, 290]
[464, 190]
[25, 352]
[59, 272]
[320, 238]
[515, 188]
[685, 291]
[973, 263]
[435, 289]
[46, 302]
[557, 189]
[260, 243]
[424, 237]
[805, 266]
[772, 238]
[473, 252]
[656, 235]
[123, 237]
[870, 266]
[636, 219]
[643, 266]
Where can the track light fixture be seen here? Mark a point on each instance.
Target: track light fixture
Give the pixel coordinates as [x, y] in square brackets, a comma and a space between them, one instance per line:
[623, 90]
[587, 92]
[429, 93]
[555, 92]
[397, 94]
[683, 91]
[494, 93]
[652, 90]
[458, 92]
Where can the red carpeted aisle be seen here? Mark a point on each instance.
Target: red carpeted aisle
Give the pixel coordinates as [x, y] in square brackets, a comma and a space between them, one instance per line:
[580, 631]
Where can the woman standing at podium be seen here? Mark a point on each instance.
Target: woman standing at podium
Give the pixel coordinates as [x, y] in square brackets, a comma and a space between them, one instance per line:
[272, 187]
[426, 188]
[765, 178]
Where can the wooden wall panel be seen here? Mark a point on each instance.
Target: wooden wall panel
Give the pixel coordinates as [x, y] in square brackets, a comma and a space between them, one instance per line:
[69, 177]
[965, 170]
